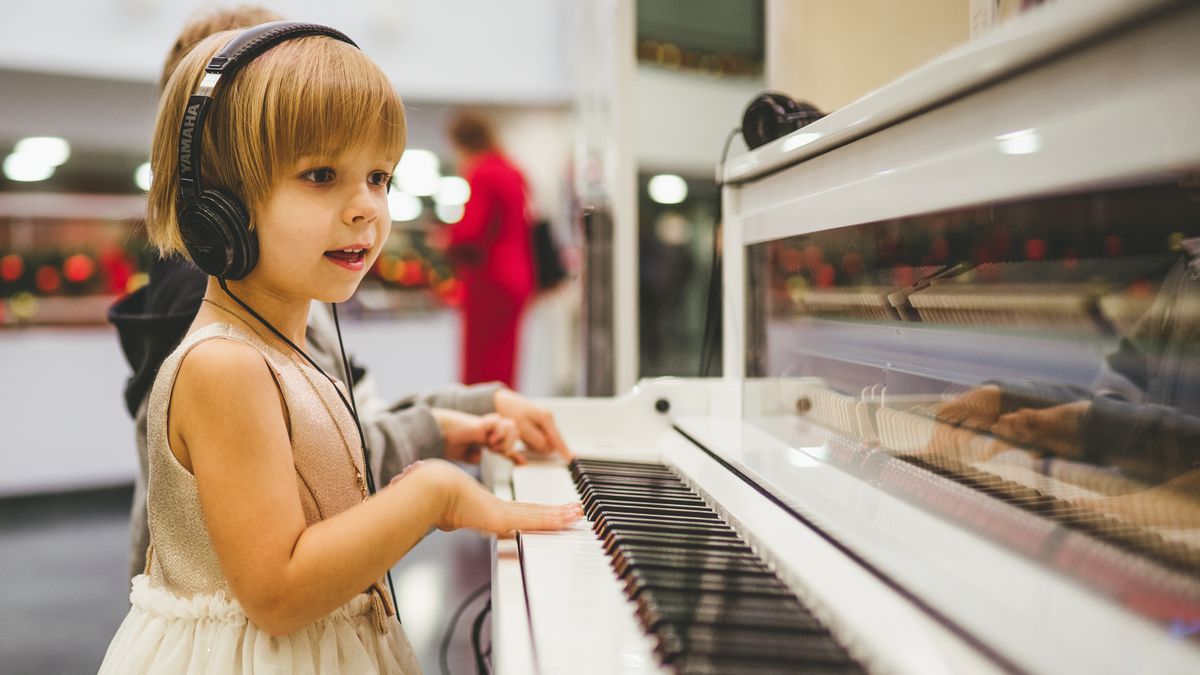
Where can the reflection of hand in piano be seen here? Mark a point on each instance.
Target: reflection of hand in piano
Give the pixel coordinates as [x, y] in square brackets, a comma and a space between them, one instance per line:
[976, 409]
[1054, 429]
[964, 444]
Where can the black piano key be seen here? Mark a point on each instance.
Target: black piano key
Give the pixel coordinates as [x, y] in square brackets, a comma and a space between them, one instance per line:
[637, 568]
[800, 649]
[645, 498]
[625, 484]
[630, 482]
[614, 540]
[649, 581]
[619, 525]
[616, 463]
[742, 566]
[700, 520]
[696, 561]
[708, 602]
[706, 664]
[681, 553]
[653, 609]
[644, 510]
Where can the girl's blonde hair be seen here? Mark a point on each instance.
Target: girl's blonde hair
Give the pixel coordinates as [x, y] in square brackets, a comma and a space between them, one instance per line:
[311, 96]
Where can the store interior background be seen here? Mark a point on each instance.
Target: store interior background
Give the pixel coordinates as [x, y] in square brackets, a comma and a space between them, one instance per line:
[594, 100]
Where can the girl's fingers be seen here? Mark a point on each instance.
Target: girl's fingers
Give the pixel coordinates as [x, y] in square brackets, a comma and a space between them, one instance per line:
[540, 517]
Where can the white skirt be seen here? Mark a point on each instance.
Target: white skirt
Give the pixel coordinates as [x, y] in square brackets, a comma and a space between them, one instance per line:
[164, 633]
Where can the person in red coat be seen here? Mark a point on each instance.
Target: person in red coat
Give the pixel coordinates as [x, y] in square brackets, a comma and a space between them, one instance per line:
[490, 248]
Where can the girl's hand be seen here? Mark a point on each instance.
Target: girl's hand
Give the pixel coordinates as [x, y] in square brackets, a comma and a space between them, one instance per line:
[467, 436]
[464, 503]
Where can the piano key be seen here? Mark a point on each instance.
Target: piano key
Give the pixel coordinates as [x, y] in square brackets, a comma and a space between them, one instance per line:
[682, 518]
[630, 495]
[635, 548]
[653, 609]
[652, 580]
[617, 524]
[705, 664]
[746, 643]
[676, 541]
[615, 463]
[640, 509]
[649, 560]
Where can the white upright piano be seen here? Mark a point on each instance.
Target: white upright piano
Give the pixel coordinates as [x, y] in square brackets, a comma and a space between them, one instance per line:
[957, 427]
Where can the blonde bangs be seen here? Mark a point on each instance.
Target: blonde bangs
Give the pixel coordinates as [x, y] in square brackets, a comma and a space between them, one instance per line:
[329, 96]
[308, 97]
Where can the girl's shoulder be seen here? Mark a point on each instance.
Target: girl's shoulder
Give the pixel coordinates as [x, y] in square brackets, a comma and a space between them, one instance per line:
[216, 352]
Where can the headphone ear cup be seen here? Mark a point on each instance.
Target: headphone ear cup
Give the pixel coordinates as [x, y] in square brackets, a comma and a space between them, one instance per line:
[236, 224]
[216, 232]
[772, 115]
[204, 238]
[765, 119]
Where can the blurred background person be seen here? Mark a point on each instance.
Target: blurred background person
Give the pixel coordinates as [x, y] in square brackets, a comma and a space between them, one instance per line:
[490, 248]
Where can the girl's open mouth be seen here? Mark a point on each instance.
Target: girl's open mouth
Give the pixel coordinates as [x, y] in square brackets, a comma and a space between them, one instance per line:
[350, 258]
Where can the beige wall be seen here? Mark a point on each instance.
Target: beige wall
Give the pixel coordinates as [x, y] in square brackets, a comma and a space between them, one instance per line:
[831, 52]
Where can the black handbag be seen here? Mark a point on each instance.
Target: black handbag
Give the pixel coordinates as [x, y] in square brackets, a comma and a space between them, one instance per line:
[547, 262]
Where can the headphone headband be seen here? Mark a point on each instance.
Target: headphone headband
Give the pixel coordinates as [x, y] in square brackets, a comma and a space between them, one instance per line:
[238, 52]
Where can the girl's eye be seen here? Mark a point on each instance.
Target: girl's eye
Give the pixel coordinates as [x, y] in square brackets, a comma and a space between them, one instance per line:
[321, 175]
[380, 178]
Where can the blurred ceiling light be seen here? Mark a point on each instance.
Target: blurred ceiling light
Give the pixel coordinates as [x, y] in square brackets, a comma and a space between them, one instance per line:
[403, 206]
[418, 173]
[449, 213]
[49, 150]
[1023, 142]
[452, 191]
[668, 189]
[26, 168]
[142, 176]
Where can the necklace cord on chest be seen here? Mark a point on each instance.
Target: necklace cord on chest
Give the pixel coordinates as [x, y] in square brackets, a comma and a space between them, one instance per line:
[351, 405]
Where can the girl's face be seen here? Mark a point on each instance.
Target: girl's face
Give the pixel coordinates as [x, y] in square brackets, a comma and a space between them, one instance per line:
[323, 225]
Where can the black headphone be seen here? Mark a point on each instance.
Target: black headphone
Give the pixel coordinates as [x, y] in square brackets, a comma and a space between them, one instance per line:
[214, 223]
[772, 115]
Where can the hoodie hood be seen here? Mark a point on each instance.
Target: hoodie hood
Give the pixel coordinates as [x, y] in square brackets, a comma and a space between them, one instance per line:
[152, 320]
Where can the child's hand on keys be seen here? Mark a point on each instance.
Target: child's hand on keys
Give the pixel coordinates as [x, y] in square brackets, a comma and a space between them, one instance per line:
[464, 503]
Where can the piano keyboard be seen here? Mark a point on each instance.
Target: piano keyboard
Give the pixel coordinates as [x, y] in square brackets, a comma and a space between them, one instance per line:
[710, 603]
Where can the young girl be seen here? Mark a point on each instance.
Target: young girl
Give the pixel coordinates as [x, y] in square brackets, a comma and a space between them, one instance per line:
[266, 552]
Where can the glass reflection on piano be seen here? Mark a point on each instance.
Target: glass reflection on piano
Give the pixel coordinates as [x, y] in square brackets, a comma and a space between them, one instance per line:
[1042, 355]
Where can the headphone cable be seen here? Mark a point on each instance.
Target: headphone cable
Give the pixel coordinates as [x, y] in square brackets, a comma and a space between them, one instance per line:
[352, 409]
[712, 326]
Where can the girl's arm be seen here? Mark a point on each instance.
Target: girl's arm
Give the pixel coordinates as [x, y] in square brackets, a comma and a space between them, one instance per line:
[227, 426]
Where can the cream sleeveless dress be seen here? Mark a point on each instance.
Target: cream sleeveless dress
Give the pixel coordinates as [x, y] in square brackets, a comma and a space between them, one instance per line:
[184, 618]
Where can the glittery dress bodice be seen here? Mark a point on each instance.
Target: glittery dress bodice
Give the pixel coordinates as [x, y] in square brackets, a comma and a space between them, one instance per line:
[325, 446]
